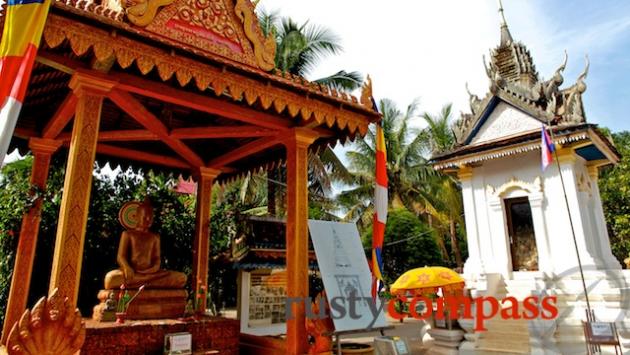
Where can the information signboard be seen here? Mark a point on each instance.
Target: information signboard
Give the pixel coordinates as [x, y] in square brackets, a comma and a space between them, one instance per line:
[345, 272]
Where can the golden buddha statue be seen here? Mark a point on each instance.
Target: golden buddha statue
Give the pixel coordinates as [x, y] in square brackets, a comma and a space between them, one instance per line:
[139, 253]
[139, 261]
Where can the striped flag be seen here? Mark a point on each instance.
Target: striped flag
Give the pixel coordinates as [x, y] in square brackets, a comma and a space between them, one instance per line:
[380, 210]
[546, 147]
[23, 27]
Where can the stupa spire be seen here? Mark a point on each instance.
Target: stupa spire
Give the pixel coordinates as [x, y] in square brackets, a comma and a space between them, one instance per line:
[506, 37]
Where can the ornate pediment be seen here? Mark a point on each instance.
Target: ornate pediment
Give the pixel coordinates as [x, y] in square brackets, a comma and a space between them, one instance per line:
[513, 77]
[505, 121]
[228, 28]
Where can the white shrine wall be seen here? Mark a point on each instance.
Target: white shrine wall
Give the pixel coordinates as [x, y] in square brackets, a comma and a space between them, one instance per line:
[485, 188]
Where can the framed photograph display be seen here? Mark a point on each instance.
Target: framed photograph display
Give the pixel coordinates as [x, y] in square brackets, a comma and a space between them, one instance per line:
[263, 302]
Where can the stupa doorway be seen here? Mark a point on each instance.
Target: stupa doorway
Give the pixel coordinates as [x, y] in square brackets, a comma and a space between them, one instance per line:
[522, 239]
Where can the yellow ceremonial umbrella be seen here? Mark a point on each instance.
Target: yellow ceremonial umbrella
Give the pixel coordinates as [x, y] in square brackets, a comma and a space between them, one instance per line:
[427, 280]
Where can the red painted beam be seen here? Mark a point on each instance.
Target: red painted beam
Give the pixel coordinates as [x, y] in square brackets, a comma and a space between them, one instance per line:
[62, 116]
[130, 135]
[199, 102]
[141, 156]
[221, 132]
[135, 109]
[243, 151]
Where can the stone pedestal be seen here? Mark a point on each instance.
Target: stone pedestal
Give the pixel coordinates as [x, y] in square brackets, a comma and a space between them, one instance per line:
[446, 341]
[210, 335]
[150, 304]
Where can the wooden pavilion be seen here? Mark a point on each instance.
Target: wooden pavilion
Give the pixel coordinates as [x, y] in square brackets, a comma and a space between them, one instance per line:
[183, 85]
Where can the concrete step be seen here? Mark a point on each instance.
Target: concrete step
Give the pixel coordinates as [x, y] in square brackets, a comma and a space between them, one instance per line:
[507, 336]
[503, 347]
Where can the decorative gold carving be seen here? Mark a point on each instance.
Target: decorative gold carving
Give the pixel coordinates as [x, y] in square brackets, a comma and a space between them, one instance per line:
[264, 48]
[209, 14]
[148, 58]
[514, 183]
[74, 204]
[366, 93]
[209, 25]
[142, 12]
[52, 327]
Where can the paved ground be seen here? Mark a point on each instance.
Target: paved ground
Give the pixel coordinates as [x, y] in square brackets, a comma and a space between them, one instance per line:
[411, 330]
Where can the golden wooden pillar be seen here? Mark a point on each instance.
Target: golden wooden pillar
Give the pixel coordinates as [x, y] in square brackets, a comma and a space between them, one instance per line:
[42, 150]
[201, 248]
[68, 257]
[297, 144]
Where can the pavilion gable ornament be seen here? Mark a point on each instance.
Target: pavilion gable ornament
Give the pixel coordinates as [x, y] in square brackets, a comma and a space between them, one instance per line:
[366, 92]
[142, 12]
[228, 28]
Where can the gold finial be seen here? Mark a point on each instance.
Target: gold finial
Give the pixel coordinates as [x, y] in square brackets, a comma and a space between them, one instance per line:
[503, 22]
[506, 37]
[366, 92]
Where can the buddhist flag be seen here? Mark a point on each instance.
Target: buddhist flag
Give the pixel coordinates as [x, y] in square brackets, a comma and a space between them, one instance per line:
[380, 210]
[547, 147]
[23, 26]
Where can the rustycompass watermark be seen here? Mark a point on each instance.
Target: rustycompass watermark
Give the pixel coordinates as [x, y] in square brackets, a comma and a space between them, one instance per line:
[422, 307]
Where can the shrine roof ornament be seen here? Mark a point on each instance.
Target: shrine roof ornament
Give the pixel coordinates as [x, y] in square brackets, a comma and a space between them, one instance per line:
[513, 78]
[228, 28]
[226, 32]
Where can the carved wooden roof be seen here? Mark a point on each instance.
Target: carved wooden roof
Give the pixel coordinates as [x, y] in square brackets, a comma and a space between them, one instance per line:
[226, 32]
[225, 28]
[211, 101]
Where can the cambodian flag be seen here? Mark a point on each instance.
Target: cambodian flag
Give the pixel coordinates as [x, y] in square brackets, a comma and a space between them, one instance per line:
[23, 27]
[547, 147]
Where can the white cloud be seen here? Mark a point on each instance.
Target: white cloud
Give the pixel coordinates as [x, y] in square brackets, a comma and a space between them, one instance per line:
[430, 49]
[410, 48]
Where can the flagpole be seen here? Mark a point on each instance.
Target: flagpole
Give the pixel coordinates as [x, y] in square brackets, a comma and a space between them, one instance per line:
[566, 201]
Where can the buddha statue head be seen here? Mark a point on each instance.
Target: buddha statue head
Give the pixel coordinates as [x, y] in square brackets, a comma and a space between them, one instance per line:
[144, 215]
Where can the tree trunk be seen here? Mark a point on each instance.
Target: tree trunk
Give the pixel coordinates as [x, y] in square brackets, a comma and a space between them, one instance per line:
[438, 240]
[455, 244]
[397, 201]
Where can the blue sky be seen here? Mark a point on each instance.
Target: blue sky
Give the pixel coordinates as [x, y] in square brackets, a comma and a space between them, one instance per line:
[430, 49]
[600, 29]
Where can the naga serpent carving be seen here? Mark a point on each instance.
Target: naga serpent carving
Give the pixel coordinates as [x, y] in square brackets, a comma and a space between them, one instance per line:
[53, 326]
[265, 52]
[142, 12]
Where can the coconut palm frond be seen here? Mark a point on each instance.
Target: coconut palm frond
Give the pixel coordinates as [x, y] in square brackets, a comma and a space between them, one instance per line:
[342, 81]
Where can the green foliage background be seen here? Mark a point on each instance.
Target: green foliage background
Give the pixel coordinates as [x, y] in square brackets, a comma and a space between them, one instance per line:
[614, 184]
[174, 221]
[409, 243]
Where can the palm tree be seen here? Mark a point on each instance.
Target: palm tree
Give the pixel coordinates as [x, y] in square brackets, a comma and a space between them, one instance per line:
[407, 169]
[444, 191]
[300, 49]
